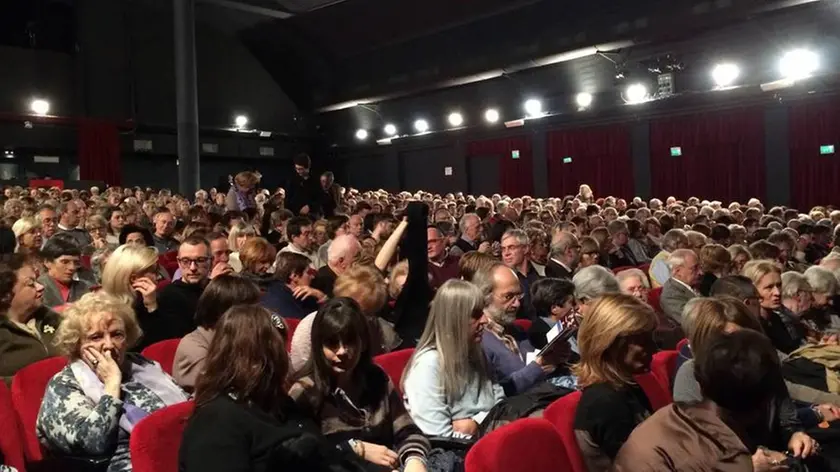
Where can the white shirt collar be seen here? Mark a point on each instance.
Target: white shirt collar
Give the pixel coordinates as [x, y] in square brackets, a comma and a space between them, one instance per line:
[683, 284]
[562, 264]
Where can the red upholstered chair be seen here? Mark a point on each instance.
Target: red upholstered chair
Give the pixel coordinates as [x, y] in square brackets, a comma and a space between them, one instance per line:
[619, 269]
[529, 444]
[162, 284]
[653, 298]
[664, 367]
[156, 439]
[561, 414]
[11, 444]
[645, 268]
[683, 343]
[658, 395]
[291, 326]
[164, 353]
[28, 387]
[85, 261]
[393, 363]
[169, 261]
[524, 325]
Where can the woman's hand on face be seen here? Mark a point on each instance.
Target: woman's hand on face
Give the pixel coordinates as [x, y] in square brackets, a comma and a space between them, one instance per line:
[148, 290]
[466, 426]
[99, 243]
[106, 369]
[380, 455]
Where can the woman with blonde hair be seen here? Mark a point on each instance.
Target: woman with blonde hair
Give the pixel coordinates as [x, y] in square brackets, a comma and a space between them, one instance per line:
[257, 257]
[28, 235]
[243, 191]
[239, 234]
[91, 406]
[616, 342]
[766, 275]
[447, 384]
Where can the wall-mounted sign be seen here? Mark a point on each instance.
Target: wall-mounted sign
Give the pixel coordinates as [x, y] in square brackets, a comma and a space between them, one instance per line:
[827, 149]
[676, 151]
[447, 171]
[514, 154]
[567, 160]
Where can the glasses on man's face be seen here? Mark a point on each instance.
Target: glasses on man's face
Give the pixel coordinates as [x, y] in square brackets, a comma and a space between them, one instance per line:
[510, 297]
[511, 248]
[187, 262]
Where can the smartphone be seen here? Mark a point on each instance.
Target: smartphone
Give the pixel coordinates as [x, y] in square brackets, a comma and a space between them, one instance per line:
[562, 337]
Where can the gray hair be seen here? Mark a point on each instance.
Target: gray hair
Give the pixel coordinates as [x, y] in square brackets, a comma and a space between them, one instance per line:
[562, 243]
[673, 239]
[627, 273]
[520, 235]
[821, 280]
[689, 316]
[677, 258]
[594, 281]
[340, 246]
[465, 220]
[793, 283]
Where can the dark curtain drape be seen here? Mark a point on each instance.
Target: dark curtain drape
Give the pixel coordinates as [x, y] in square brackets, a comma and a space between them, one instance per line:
[601, 158]
[99, 152]
[722, 155]
[814, 177]
[516, 176]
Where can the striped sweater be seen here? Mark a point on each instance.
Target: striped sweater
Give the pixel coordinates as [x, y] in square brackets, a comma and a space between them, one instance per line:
[387, 425]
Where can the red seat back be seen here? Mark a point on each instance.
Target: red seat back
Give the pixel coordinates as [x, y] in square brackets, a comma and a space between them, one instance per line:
[169, 261]
[11, 444]
[561, 414]
[623, 268]
[658, 395]
[155, 441]
[85, 261]
[393, 363]
[683, 343]
[653, 298]
[524, 325]
[164, 353]
[291, 326]
[28, 387]
[162, 284]
[528, 444]
[664, 367]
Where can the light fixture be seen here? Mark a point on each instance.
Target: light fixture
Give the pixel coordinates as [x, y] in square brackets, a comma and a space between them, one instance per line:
[456, 119]
[583, 99]
[725, 74]
[39, 106]
[241, 121]
[491, 115]
[798, 64]
[636, 93]
[533, 108]
[421, 126]
[361, 134]
[390, 129]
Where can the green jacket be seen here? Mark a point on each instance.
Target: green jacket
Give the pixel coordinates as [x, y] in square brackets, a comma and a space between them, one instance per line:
[19, 348]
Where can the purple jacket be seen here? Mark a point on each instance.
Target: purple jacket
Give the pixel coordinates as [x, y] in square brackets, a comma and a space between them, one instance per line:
[508, 368]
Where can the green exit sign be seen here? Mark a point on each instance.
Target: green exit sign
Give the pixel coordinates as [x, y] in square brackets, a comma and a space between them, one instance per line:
[514, 154]
[827, 149]
[567, 160]
[676, 151]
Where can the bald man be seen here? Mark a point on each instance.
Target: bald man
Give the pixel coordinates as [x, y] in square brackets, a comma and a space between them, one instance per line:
[340, 256]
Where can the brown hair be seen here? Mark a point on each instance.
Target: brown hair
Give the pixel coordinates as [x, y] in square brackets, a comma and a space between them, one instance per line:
[254, 251]
[474, 262]
[222, 293]
[288, 264]
[714, 258]
[247, 360]
[710, 316]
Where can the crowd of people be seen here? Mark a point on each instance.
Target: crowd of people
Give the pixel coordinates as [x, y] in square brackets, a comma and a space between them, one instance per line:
[508, 303]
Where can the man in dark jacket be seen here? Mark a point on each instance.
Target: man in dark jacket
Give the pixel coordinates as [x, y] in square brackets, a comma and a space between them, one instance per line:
[330, 197]
[303, 193]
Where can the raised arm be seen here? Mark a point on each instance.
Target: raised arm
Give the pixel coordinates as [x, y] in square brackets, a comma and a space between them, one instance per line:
[386, 254]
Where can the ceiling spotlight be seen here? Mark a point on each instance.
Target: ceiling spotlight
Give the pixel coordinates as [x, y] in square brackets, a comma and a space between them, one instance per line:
[491, 115]
[725, 74]
[533, 108]
[456, 119]
[583, 99]
[636, 93]
[361, 134]
[390, 129]
[421, 126]
[40, 107]
[798, 64]
[241, 121]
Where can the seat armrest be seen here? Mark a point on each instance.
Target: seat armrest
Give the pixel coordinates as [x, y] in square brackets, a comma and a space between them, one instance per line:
[451, 444]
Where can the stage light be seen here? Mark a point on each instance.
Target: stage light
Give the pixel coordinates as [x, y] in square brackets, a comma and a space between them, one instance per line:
[491, 115]
[583, 99]
[456, 119]
[533, 108]
[40, 107]
[241, 121]
[361, 134]
[390, 129]
[636, 93]
[725, 74]
[798, 64]
[421, 126]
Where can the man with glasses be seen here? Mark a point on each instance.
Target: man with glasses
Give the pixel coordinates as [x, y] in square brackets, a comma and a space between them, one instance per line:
[680, 287]
[62, 284]
[564, 256]
[470, 227]
[301, 240]
[177, 301]
[69, 217]
[442, 265]
[516, 248]
[220, 252]
[620, 253]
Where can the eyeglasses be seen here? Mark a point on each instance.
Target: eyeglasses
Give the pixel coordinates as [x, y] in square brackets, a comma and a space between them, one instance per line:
[509, 297]
[187, 262]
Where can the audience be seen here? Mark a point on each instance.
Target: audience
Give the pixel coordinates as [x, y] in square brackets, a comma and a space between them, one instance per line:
[340, 256]
[634, 282]
[767, 278]
[680, 286]
[61, 281]
[291, 294]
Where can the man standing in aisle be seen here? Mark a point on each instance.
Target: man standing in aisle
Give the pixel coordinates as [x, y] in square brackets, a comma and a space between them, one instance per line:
[303, 193]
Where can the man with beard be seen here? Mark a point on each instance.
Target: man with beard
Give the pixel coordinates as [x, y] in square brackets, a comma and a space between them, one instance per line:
[303, 193]
[501, 338]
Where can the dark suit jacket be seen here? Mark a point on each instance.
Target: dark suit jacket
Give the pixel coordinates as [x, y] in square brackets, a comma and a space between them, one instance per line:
[52, 294]
[555, 270]
[674, 297]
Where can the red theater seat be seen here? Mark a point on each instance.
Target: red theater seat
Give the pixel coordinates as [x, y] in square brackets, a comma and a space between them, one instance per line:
[529, 444]
[561, 414]
[164, 353]
[658, 395]
[664, 367]
[620, 269]
[291, 326]
[11, 444]
[680, 345]
[28, 387]
[156, 439]
[393, 363]
[653, 298]
[524, 325]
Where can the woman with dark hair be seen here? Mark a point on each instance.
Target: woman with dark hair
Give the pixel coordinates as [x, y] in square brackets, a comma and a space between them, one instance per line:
[352, 398]
[136, 236]
[222, 293]
[243, 419]
[291, 294]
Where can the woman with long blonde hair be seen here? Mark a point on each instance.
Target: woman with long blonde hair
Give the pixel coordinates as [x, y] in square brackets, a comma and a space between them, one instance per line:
[766, 275]
[447, 384]
[616, 342]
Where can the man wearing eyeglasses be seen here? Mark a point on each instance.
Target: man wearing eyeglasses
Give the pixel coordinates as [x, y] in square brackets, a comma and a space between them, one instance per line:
[516, 248]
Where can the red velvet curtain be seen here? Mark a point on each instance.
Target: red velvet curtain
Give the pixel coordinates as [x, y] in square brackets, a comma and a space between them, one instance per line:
[601, 157]
[516, 176]
[722, 156]
[99, 152]
[814, 178]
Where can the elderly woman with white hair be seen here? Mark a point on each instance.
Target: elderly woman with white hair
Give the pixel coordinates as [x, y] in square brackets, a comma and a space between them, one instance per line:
[634, 282]
[28, 235]
[825, 288]
[592, 282]
[91, 406]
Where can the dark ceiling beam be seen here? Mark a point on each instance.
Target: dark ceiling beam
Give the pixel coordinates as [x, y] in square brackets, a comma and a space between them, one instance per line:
[248, 8]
